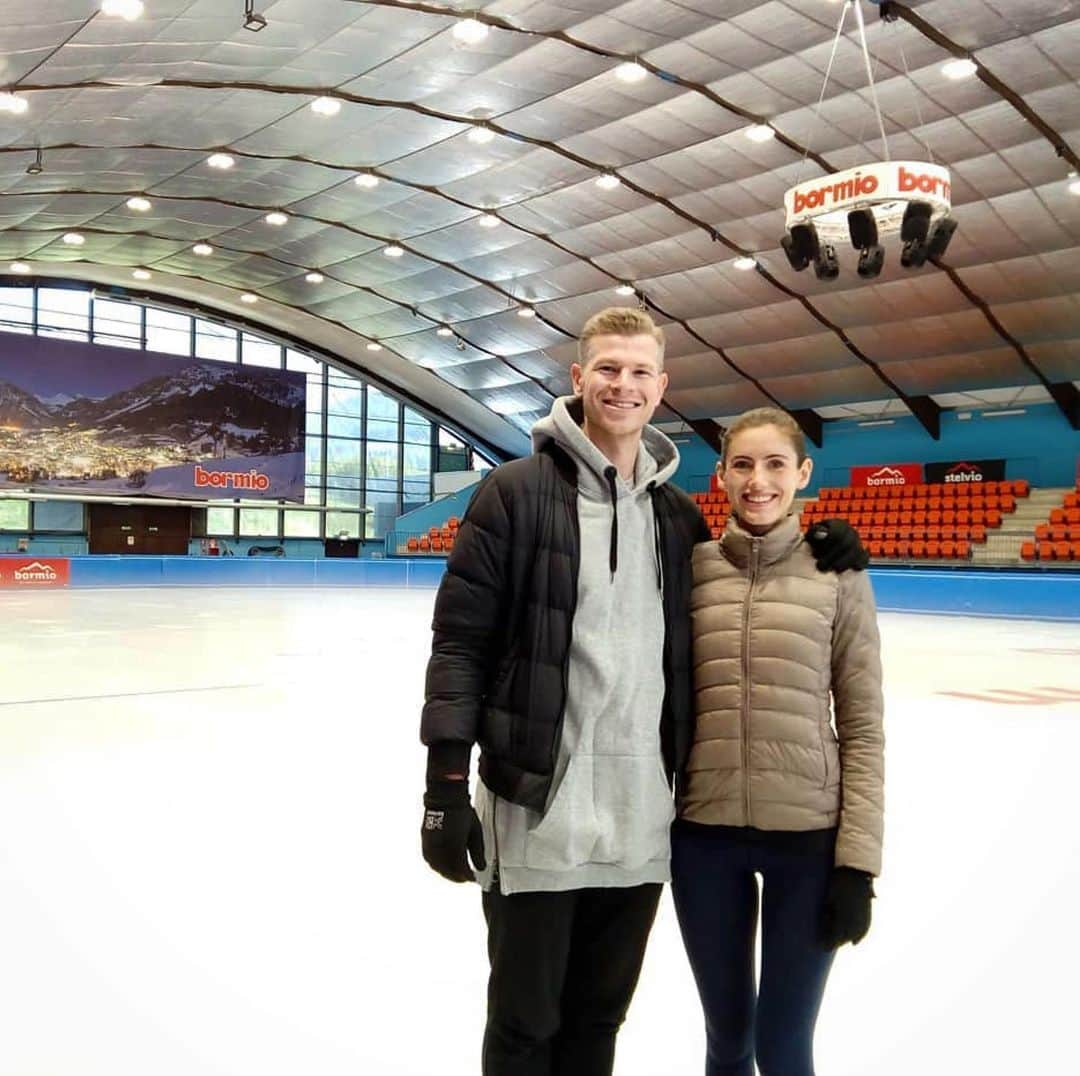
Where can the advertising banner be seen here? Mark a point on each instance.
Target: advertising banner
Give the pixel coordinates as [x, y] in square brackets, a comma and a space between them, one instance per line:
[83, 418]
[966, 471]
[887, 474]
[35, 572]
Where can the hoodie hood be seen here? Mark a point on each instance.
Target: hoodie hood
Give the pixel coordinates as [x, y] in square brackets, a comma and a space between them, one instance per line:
[657, 457]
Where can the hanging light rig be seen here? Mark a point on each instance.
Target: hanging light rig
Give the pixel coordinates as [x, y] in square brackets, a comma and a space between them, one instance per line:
[869, 203]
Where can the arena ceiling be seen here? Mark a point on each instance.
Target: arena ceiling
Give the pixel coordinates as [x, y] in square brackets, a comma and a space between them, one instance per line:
[487, 155]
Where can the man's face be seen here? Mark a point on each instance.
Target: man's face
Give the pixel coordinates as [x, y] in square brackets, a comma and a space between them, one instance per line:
[620, 384]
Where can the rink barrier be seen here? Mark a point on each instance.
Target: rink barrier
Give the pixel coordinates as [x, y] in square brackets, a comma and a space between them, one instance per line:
[1039, 595]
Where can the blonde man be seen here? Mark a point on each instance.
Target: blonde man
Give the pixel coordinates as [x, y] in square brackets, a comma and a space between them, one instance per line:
[562, 647]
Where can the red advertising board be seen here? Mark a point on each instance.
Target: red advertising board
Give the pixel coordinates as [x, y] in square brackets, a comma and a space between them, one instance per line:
[35, 571]
[887, 474]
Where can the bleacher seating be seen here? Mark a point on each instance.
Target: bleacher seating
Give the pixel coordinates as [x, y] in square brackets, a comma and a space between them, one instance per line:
[438, 540]
[715, 508]
[1059, 538]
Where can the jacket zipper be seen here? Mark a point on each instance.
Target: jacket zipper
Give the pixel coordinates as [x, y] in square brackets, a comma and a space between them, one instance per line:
[755, 550]
[574, 566]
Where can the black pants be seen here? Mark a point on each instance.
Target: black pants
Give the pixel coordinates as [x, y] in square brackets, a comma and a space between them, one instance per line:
[713, 882]
[563, 970]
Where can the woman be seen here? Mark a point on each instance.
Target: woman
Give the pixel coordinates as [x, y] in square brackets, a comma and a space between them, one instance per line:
[769, 788]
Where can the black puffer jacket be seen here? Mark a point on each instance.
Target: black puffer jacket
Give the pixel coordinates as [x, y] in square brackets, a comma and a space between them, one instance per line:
[504, 615]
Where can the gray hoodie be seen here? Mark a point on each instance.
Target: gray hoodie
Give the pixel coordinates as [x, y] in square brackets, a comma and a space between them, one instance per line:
[609, 809]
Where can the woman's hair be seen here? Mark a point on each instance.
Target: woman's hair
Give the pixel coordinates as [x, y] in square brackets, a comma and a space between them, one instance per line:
[620, 321]
[767, 416]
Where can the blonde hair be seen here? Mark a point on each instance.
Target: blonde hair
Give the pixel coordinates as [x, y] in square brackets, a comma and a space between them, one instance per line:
[767, 416]
[620, 321]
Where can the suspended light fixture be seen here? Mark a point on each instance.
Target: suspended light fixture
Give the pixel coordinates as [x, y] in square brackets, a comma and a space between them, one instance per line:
[393, 251]
[374, 345]
[276, 218]
[608, 181]
[631, 71]
[480, 134]
[526, 312]
[249, 298]
[744, 263]
[253, 21]
[20, 267]
[74, 239]
[314, 278]
[13, 103]
[204, 250]
[470, 31]
[869, 203]
[444, 330]
[958, 69]
[625, 290]
[139, 204]
[489, 220]
[221, 161]
[760, 132]
[37, 165]
[366, 179]
[325, 106]
[141, 274]
[128, 10]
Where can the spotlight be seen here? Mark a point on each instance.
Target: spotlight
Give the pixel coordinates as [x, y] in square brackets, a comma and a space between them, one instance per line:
[940, 237]
[626, 290]
[958, 69]
[374, 346]
[526, 312]
[913, 232]
[276, 218]
[139, 204]
[862, 227]
[630, 72]
[489, 220]
[141, 274]
[204, 250]
[10, 102]
[826, 267]
[460, 344]
[393, 251]
[1074, 187]
[871, 262]
[314, 278]
[480, 135]
[608, 181]
[220, 160]
[253, 21]
[760, 132]
[801, 246]
[128, 10]
[20, 267]
[444, 330]
[325, 106]
[74, 239]
[366, 179]
[745, 263]
[470, 31]
[248, 298]
[37, 165]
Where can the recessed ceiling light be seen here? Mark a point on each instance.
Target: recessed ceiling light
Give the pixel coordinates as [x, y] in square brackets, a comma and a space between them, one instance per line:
[125, 9]
[760, 132]
[480, 135]
[630, 72]
[374, 346]
[220, 160]
[489, 220]
[139, 204]
[608, 181]
[248, 298]
[276, 218]
[1074, 187]
[626, 290]
[314, 278]
[10, 102]
[958, 69]
[74, 239]
[393, 251]
[204, 250]
[526, 312]
[442, 330]
[470, 31]
[326, 106]
[745, 262]
[366, 179]
[20, 267]
[141, 274]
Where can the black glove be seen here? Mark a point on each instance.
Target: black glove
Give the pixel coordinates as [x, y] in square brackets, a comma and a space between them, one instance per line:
[450, 827]
[846, 915]
[836, 546]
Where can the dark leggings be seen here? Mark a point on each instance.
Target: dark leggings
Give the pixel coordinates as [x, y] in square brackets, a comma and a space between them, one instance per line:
[715, 887]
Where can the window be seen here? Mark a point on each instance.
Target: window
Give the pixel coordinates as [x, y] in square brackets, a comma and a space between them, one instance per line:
[259, 522]
[64, 314]
[17, 310]
[117, 324]
[221, 521]
[301, 524]
[255, 351]
[215, 341]
[383, 423]
[14, 515]
[167, 332]
[342, 524]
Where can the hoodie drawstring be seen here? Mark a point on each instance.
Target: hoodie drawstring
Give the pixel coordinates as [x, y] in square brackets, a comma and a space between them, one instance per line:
[613, 551]
[656, 538]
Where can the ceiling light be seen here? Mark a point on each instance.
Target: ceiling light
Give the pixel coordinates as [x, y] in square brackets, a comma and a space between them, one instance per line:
[37, 165]
[877, 422]
[1074, 187]
[481, 135]
[277, 218]
[489, 220]
[326, 106]
[760, 132]
[314, 278]
[374, 346]
[20, 267]
[139, 204]
[220, 160]
[74, 239]
[608, 181]
[526, 312]
[393, 251]
[204, 250]
[958, 69]
[248, 298]
[253, 21]
[626, 290]
[630, 72]
[366, 179]
[10, 102]
[745, 262]
[1006, 413]
[470, 31]
[141, 274]
[442, 330]
[125, 9]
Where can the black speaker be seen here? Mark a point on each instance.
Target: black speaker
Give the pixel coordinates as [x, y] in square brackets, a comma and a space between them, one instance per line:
[342, 547]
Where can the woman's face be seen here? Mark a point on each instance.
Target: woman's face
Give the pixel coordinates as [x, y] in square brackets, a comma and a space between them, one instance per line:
[762, 475]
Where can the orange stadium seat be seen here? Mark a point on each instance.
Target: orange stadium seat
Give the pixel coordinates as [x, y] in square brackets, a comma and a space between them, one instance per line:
[425, 544]
[412, 545]
[1063, 550]
[1057, 515]
[1076, 550]
[948, 548]
[1046, 551]
[1027, 551]
[933, 548]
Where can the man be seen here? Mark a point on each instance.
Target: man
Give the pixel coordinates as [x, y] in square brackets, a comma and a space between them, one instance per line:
[562, 647]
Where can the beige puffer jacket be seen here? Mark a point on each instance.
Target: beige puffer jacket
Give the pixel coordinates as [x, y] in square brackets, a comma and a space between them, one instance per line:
[772, 637]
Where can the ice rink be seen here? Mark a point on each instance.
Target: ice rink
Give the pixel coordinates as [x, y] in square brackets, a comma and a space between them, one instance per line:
[209, 851]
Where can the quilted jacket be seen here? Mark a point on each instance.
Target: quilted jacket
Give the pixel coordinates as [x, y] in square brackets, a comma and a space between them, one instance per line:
[780, 652]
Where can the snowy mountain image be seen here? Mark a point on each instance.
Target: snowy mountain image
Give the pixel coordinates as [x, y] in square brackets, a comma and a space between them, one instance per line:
[22, 409]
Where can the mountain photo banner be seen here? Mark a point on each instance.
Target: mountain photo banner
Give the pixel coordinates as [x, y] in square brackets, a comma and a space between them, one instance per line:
[85, 418]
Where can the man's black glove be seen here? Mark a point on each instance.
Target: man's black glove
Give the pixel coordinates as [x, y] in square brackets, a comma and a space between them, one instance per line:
[836, 546]
[450, 827]
[847, 907]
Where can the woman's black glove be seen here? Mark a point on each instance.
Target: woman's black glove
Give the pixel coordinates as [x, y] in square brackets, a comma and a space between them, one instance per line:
[846, 916]
[836, 546]
[450, 828]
